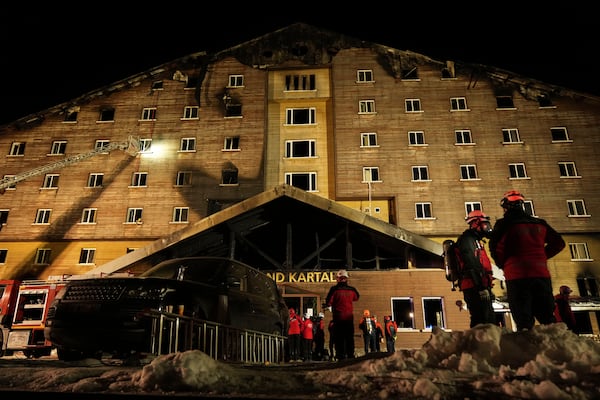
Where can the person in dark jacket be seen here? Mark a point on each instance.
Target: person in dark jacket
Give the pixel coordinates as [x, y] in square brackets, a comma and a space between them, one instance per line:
[521, 245]
[319, 337]
[369, 332]
[341, 298]
[563, 311]
[476, 269]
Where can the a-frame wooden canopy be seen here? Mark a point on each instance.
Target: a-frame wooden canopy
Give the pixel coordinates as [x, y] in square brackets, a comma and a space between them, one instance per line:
[285, 229]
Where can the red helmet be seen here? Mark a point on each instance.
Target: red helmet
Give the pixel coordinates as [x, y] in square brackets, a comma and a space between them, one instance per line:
[512, 198]
[477, 216]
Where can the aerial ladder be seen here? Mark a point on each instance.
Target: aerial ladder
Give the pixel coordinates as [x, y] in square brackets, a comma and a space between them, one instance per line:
[131, 146]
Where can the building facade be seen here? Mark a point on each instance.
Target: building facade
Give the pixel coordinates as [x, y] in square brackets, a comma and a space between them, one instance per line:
[412, 141]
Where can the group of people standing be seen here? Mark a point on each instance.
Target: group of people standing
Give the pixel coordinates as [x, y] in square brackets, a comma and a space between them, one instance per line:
[375, 334]
[340, 301]
[306, 337]
[520, 244]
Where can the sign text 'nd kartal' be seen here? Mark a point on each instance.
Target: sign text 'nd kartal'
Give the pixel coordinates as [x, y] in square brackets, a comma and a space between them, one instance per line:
[304, 277]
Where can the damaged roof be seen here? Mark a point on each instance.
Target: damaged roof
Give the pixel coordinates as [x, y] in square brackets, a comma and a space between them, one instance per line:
[285, 229]
[310, 45]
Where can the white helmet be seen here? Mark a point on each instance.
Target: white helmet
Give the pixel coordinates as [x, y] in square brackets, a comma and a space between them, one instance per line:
[342, 273]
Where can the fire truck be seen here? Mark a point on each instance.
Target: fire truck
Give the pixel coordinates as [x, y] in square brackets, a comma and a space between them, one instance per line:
[23, 309]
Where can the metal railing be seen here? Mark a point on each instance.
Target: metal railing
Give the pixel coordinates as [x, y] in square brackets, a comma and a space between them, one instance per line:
[172, 332]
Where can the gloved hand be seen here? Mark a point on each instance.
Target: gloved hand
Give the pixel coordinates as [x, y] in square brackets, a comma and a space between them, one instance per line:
[484, 295]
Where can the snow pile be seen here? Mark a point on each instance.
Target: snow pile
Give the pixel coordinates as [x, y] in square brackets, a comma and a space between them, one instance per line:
[485, 362]
[548, 362]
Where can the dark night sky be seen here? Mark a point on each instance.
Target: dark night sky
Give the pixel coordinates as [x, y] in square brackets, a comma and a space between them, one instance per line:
[51, 54]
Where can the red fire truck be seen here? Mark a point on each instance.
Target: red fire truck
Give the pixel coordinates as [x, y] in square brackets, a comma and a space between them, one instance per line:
[23, 309]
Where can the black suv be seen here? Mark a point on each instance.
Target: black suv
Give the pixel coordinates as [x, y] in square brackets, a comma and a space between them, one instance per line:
[100, 315]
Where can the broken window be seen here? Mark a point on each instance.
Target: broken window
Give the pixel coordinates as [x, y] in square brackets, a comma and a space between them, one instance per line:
[157, 85]
[107, 114]
[410, 73]
[504, 102]
[229, 176]
[559, 134]
[192, 82]
[300, 82]
[4, 216]
[544, 101]
[71, 116]
[233, 110]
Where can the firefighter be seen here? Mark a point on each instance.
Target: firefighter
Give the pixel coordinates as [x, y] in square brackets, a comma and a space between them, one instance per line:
[476, 269]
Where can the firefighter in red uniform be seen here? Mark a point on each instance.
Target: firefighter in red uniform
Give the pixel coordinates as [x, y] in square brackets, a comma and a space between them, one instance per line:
[521, 245]
[476, 269]
[294, 330]
[341, 298]
[307, 337]
[563, 312]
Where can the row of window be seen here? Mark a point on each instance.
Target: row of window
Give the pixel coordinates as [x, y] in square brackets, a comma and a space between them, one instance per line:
[306, 82]
[423, 211]
[566, 169]
[420, 173]
[294, 116]
[465, 137]
[412, 74]
[292, 83]
[188, 144]
[42, 256]
[89, 216]
[308, 180]
[304, 148]
[575, 208]
[229, 176]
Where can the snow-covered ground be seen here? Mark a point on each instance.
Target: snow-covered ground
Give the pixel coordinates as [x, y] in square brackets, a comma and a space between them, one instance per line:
[548, 362]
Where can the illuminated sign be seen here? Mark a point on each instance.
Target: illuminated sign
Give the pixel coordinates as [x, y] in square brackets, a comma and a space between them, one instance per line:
[303, 277]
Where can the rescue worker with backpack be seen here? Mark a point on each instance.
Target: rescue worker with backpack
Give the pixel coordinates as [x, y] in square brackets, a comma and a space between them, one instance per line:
[474, 269]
